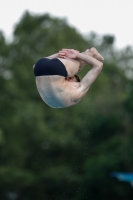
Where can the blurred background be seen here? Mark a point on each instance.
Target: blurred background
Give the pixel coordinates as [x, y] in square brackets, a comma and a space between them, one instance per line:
[49, 154]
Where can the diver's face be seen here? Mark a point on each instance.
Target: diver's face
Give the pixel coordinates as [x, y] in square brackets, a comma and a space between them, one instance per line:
[71, 79]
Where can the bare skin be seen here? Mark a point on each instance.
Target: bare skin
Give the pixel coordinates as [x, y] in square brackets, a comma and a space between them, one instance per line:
[60, 92]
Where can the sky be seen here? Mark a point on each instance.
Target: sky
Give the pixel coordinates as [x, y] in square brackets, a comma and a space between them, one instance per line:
[112, 17]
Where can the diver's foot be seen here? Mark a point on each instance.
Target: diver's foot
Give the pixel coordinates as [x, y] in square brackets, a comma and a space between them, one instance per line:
[96, 55]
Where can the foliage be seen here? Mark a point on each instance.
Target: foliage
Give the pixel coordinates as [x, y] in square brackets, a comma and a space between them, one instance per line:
[68, 153]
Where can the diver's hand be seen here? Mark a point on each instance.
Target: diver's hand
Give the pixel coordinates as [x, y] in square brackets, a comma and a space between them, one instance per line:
[68, 53]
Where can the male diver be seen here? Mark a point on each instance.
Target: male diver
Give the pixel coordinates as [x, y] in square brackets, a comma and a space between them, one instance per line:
[56, 76]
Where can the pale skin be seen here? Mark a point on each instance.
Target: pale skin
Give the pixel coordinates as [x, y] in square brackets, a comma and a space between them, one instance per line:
[59, 91]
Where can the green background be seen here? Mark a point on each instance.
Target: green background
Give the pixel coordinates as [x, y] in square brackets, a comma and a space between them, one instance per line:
[49, 154]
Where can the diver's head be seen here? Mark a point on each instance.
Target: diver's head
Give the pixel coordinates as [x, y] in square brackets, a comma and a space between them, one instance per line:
[74, 78]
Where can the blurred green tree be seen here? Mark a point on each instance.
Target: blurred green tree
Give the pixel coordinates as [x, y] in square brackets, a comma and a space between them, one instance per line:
[68, 153]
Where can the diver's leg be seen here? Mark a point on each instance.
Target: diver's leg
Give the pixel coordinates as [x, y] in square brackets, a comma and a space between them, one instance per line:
[96, 54]
[74, 66]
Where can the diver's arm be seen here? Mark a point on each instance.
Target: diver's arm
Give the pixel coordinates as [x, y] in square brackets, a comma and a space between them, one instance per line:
[91, 76]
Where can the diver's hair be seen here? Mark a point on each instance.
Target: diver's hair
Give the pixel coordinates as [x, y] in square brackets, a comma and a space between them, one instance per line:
[78, 79]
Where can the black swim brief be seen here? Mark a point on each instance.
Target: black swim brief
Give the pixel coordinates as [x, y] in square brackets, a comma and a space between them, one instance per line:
[47, 67]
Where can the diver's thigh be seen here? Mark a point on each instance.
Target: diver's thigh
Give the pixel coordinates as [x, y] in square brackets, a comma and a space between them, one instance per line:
[72, 66]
